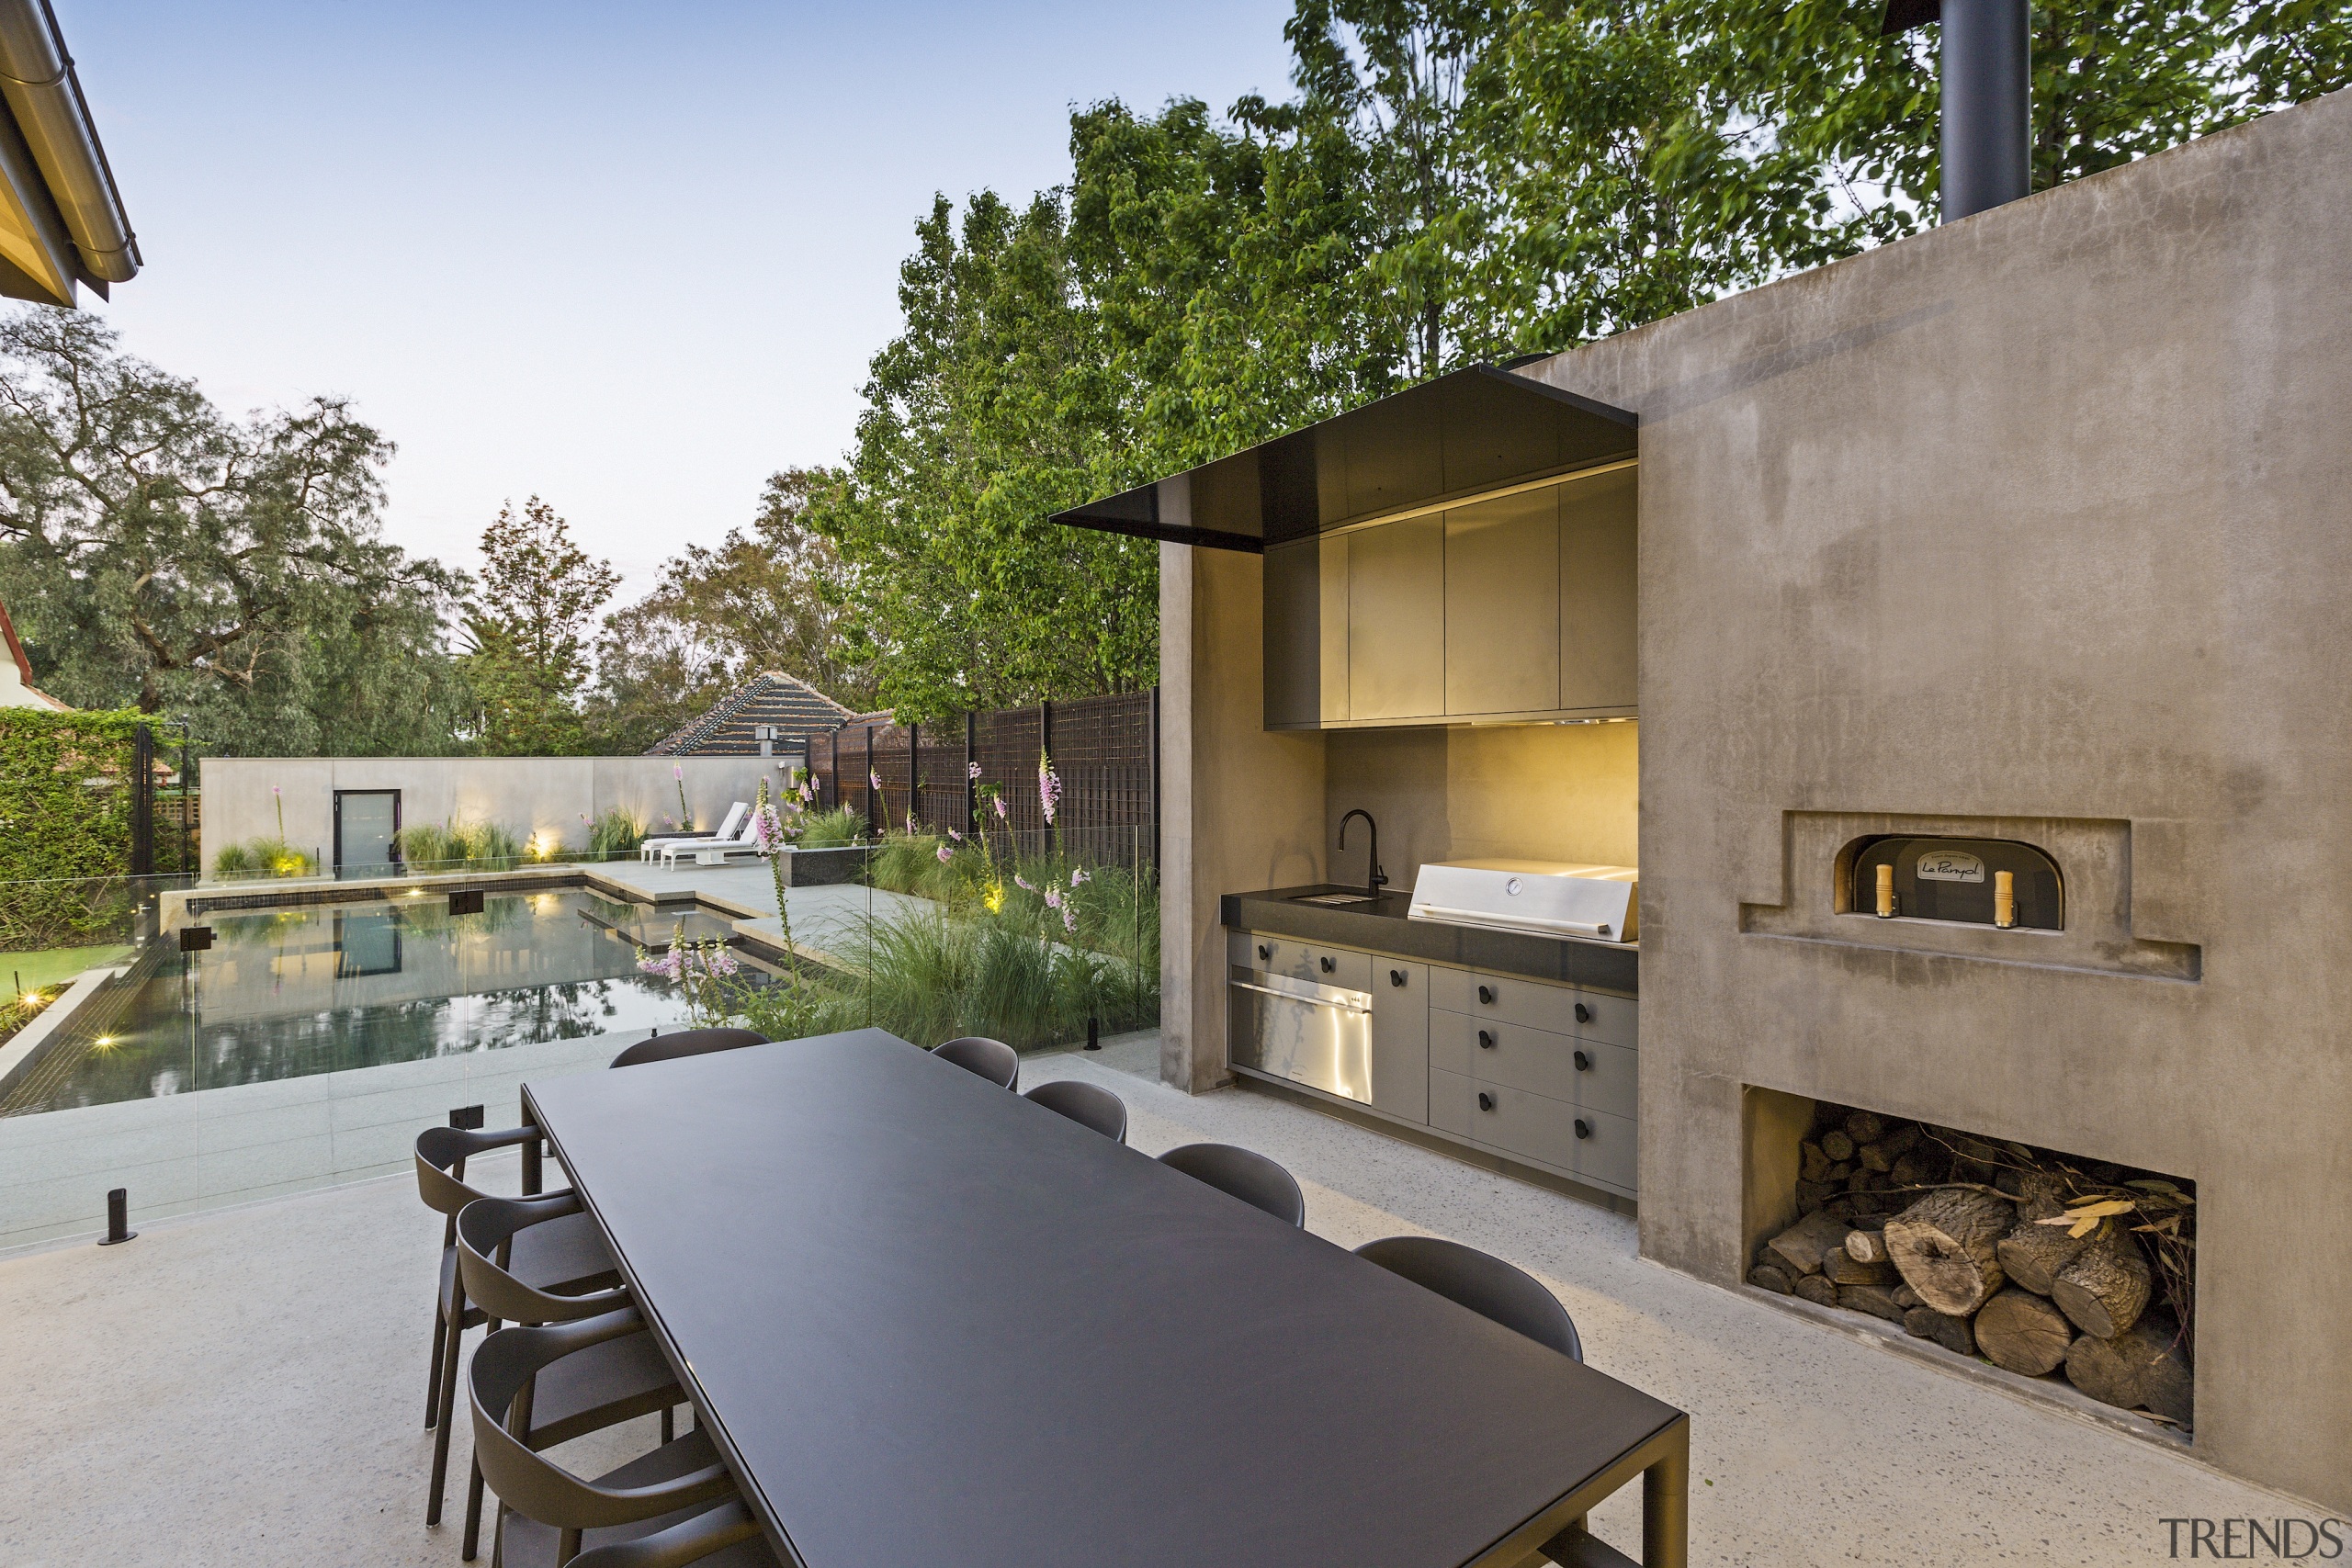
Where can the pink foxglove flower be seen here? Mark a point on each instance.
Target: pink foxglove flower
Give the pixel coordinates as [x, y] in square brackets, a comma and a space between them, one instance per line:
[875, 779]
[955, 835]
[945, 854]
[1053, 897]
[910, 822]
[972, 771]
[998, 801]
[1078, 875]
[1069, 919]
[1049, 787]
[1023, 883]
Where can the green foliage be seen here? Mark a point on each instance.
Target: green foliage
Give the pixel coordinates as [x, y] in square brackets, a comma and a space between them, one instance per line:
[527, 627]
[983, 955]
[996, 407]
[262, 857]
[65, 809]
[156, 554]
[616, 833]
[834, 829]
[774, 598]
[460, 846]
[2113, 80]
[1450, 181]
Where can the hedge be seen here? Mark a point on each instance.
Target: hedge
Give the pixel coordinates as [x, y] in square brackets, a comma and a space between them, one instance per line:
[65, 808]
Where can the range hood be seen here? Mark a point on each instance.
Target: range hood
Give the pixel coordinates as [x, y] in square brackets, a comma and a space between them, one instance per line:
[1540, 897]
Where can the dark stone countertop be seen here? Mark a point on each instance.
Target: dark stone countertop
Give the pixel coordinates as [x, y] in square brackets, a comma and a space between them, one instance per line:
[1384, 927]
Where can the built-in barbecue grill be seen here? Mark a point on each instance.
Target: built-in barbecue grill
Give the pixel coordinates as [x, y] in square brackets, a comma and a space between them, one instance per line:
[1543, 898]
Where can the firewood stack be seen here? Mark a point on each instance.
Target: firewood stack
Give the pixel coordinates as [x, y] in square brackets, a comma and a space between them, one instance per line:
[1938, 1231]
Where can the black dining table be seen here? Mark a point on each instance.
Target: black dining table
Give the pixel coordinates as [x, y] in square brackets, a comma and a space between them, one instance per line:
[928, 1322]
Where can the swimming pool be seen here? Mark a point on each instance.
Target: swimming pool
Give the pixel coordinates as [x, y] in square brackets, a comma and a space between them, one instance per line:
[322, 988]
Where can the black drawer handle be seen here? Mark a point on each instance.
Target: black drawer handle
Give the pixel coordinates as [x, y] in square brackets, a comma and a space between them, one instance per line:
[1264, 951]
[1584, 1128]
[1485, 1040]
[1328, 964]
[1584, 1063]
[1486, 1102]
[1584, 1013]
[1396, 976]
[1486, 995]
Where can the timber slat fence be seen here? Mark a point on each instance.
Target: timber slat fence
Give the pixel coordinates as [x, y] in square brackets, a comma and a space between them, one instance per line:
[1104, 749]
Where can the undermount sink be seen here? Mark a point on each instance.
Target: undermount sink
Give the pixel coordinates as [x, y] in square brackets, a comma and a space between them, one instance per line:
[1335, 898]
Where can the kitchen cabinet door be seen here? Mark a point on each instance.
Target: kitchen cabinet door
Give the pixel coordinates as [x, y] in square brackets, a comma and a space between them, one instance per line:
[1598, 547]
[1502, 606]
[1400, 1038]
[1396, 619]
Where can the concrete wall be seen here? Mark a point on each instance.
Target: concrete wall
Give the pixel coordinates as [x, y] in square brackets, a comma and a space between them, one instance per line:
[2041, 523]
[557, 797]
[1240, 808]
[1534, 791]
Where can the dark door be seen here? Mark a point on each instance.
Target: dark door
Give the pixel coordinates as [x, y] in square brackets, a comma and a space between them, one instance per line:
[367, 822]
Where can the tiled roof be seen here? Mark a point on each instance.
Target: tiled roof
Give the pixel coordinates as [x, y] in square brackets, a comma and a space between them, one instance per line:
[770, 697]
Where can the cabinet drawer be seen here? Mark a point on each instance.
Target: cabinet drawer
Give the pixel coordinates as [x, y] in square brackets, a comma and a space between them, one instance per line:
[1270, 954]
[1532, 1127]
[1561, 1010]
[1614, 1019]
[1340, 966]
[1586, 1143]
[1607, 1156]
[1583, 1072]
[1609, 1081]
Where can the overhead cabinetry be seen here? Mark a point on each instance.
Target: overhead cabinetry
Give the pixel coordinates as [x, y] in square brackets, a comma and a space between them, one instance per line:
[1462, 551]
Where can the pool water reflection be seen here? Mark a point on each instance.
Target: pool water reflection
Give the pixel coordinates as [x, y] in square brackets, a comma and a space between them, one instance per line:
[286, 993]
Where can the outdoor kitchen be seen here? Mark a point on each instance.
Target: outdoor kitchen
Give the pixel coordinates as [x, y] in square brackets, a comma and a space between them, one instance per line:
[1850, 765]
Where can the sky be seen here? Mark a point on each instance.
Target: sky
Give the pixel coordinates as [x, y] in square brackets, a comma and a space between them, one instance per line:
[631, 259]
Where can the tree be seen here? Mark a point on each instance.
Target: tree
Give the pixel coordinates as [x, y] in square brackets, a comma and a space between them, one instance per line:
[527, 625]
[995, 408]
[155, 554]
[775, 598]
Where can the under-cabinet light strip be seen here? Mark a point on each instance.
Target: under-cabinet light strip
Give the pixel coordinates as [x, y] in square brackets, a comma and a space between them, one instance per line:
[1475, 498]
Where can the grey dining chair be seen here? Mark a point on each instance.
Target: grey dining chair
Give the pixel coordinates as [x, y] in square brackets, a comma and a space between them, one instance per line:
[1244, 1174]
[1481, 1281]
[564, 1253]
[598, 1387]
[991, 1059]
[687, 1043]
[1088, 1105]
[674, 1505]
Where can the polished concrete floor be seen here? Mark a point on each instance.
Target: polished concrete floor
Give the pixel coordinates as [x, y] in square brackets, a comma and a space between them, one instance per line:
[244, 1387]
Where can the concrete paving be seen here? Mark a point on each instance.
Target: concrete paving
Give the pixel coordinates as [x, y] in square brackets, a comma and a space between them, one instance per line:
[244, 1387]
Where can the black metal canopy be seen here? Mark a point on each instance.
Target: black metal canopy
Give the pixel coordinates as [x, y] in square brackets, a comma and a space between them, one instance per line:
[1471, 431]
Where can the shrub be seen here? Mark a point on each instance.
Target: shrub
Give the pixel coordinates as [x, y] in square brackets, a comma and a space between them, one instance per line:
[832, 829]
[465, 846]
[616, 833]
[64, 824]
[263, 857]
[996, 961]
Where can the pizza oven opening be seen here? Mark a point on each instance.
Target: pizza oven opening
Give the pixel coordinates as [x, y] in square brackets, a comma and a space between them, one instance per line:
[1979, 881]
[2035, 1261]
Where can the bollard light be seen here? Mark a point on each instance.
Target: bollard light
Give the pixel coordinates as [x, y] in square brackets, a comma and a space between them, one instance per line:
[118, 1218]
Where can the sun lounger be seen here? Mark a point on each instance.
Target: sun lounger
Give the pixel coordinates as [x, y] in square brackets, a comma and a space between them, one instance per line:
[737, 815]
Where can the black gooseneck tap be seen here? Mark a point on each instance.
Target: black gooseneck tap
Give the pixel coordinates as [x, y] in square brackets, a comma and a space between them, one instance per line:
[1374, 879]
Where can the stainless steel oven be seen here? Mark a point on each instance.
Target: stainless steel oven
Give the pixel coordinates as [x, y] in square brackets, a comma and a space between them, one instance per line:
[1317, 1035]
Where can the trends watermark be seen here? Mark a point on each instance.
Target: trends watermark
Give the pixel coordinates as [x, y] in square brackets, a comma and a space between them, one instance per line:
[2280, 1540]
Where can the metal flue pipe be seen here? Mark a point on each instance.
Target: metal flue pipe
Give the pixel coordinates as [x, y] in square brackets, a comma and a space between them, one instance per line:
[1985, 69]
